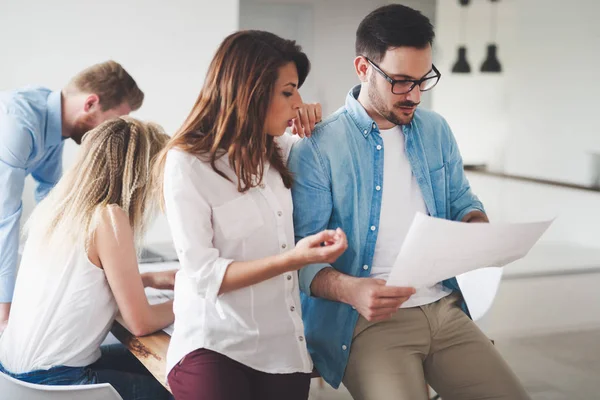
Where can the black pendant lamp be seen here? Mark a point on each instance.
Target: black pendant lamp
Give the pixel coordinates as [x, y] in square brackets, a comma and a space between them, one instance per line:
[461, 66]
[491, 62]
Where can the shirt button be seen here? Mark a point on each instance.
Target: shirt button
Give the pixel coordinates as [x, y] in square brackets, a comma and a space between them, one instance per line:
[373, 228]
[301, 338]
[374, 125]
[344, 347]
[354, 308]
[365, 131]
[378, 147]
[283, 246]
[279, 213]
[365, 267]
[292, 308]
[289, 277]
[378, 188]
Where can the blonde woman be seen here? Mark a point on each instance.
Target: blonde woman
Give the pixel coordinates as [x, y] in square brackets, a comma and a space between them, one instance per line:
[79, 268]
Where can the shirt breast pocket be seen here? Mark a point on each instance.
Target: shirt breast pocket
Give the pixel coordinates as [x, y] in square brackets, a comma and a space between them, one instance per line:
[439, 184]
[237, 218]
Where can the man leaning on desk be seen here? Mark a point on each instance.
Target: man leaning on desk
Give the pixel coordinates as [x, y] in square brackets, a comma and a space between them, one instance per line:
[34, 123]
[378, 161]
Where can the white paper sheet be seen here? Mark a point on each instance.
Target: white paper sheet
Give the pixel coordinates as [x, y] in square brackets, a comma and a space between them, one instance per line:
[437, 249]
[157, 296]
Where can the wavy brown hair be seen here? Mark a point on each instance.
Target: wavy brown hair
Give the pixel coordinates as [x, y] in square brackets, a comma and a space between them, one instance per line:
[113, 168]
[230, 112]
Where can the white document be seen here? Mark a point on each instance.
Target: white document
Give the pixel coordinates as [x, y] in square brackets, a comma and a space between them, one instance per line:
[157, 296]
[437, 249]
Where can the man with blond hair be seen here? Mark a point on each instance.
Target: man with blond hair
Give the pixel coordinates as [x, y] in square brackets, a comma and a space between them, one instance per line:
[34, 123]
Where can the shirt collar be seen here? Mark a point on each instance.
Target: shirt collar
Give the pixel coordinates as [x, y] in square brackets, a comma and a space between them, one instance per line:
[358, 113]
[362, 120]
[54, 119]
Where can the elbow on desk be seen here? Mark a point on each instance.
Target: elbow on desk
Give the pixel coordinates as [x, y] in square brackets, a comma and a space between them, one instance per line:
[140, 328]
[148, 320]
[140, 323]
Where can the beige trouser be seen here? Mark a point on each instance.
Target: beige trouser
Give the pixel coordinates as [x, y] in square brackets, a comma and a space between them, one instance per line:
[436, 343]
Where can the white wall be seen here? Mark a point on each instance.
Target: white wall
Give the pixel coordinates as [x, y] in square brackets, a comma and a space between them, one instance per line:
[537, 118]
[554, 115]
[166, 46]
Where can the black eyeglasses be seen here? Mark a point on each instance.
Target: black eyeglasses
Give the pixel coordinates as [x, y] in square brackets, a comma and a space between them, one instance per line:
[404, 86]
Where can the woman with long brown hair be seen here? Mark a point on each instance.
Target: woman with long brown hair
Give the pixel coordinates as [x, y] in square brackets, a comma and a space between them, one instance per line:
[79, 268]
[238, 326]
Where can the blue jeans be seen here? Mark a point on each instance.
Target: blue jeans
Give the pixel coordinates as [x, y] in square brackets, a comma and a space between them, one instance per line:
[116, 366]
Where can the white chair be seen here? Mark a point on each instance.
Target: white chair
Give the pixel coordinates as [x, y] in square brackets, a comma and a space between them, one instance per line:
[14, 389]
[479, 288]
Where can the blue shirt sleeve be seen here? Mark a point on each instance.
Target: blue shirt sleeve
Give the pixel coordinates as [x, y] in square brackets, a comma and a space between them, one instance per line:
[311, 194]
[48, 172]
[462, 199]
[16, 144]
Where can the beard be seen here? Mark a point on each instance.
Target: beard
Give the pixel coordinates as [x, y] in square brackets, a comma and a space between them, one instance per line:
[82, 126]
[397, 116]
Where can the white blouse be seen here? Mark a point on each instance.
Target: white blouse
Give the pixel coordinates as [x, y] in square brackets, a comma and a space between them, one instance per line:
[62, 311]
[213, 225]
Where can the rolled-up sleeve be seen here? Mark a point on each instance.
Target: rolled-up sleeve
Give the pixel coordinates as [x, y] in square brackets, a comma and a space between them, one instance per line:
[15, 148]
[462, 199]
[190, 219]
[311, 194]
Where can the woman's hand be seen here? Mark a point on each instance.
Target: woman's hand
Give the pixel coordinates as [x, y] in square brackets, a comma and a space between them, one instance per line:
[323, 247]
[160, 280]
[308, 115]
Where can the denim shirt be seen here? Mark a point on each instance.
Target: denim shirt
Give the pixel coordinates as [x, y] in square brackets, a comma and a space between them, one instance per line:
[336, 172]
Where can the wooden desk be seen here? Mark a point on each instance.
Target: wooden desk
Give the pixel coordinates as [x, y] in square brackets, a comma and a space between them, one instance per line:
[151, 350]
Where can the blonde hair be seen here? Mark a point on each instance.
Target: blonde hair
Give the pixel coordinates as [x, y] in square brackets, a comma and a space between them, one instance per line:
[111, 83]
[113, 168]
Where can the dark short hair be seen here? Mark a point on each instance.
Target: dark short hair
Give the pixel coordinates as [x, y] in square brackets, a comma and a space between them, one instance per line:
[392, 26]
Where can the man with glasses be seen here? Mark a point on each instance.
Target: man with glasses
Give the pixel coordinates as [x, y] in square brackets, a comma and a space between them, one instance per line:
[377, 162]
